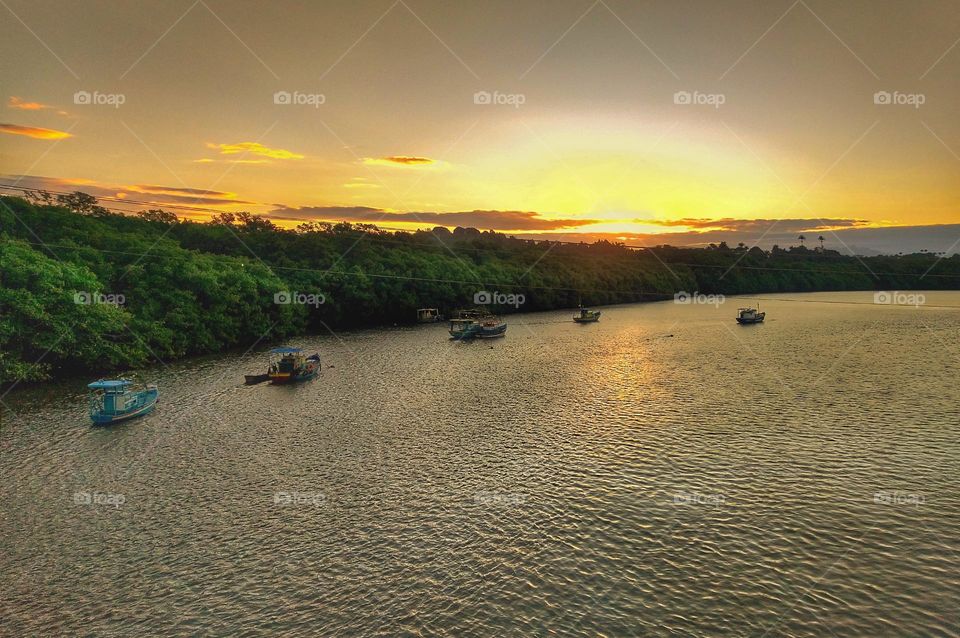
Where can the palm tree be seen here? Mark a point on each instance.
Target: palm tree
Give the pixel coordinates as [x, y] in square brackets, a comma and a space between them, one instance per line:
[821, 242]
[801, 238]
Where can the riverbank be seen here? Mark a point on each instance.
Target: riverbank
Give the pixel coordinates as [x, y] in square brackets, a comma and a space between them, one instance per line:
[254, 358]
[91, 292]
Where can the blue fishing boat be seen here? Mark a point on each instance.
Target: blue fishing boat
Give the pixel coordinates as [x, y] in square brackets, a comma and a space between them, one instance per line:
[474, 324]
[113, 400]
[491, 327]
[293, 366]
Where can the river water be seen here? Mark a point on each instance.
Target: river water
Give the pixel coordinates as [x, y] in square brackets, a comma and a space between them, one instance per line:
[664, 472]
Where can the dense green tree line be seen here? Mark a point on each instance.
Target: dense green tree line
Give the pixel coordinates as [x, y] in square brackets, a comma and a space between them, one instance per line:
[85, 289]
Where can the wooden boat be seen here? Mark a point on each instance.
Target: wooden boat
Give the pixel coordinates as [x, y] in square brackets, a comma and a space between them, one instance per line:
[750, 315]
[113, 400]
[587, 316]
[476, 324]
[428, 315]
[293, 366]
[254, 379]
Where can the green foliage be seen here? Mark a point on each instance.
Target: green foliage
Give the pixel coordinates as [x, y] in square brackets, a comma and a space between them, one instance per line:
[191, 288]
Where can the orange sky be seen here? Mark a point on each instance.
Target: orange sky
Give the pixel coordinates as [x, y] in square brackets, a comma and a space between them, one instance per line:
[577, 117]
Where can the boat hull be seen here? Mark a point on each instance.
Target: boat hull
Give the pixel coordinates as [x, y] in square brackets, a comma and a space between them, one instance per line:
[149, 402]
[744, 322]
[493, 332]
[310, 371]
[587, 319]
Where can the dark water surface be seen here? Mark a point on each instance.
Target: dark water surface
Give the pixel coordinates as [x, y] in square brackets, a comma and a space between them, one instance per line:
[662, 473]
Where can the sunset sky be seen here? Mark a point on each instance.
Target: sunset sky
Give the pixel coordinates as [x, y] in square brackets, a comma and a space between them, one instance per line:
[369, 111]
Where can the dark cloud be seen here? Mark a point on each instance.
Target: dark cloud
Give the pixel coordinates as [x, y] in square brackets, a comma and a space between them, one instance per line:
[152, 194]
[402, 160]
[755, 225]
[190, 191]
[889, 240]
[505, 220]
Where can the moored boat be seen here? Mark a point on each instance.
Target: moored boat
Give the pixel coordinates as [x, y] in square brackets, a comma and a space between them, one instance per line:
[473, 323]
[750, 315]
[491, 327]
[113, 400]
[293, 366]
[429, 315]
[586, 315]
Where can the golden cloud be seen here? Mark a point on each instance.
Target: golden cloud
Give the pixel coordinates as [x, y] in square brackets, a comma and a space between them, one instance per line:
[360, 182]
[34, 132]
[254, 148]
[17, 103]
[399, 160]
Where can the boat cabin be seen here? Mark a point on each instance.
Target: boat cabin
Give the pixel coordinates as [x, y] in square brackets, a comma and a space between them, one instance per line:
[109, 396]
[293, 365]
[290, 359]
[428, 315]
